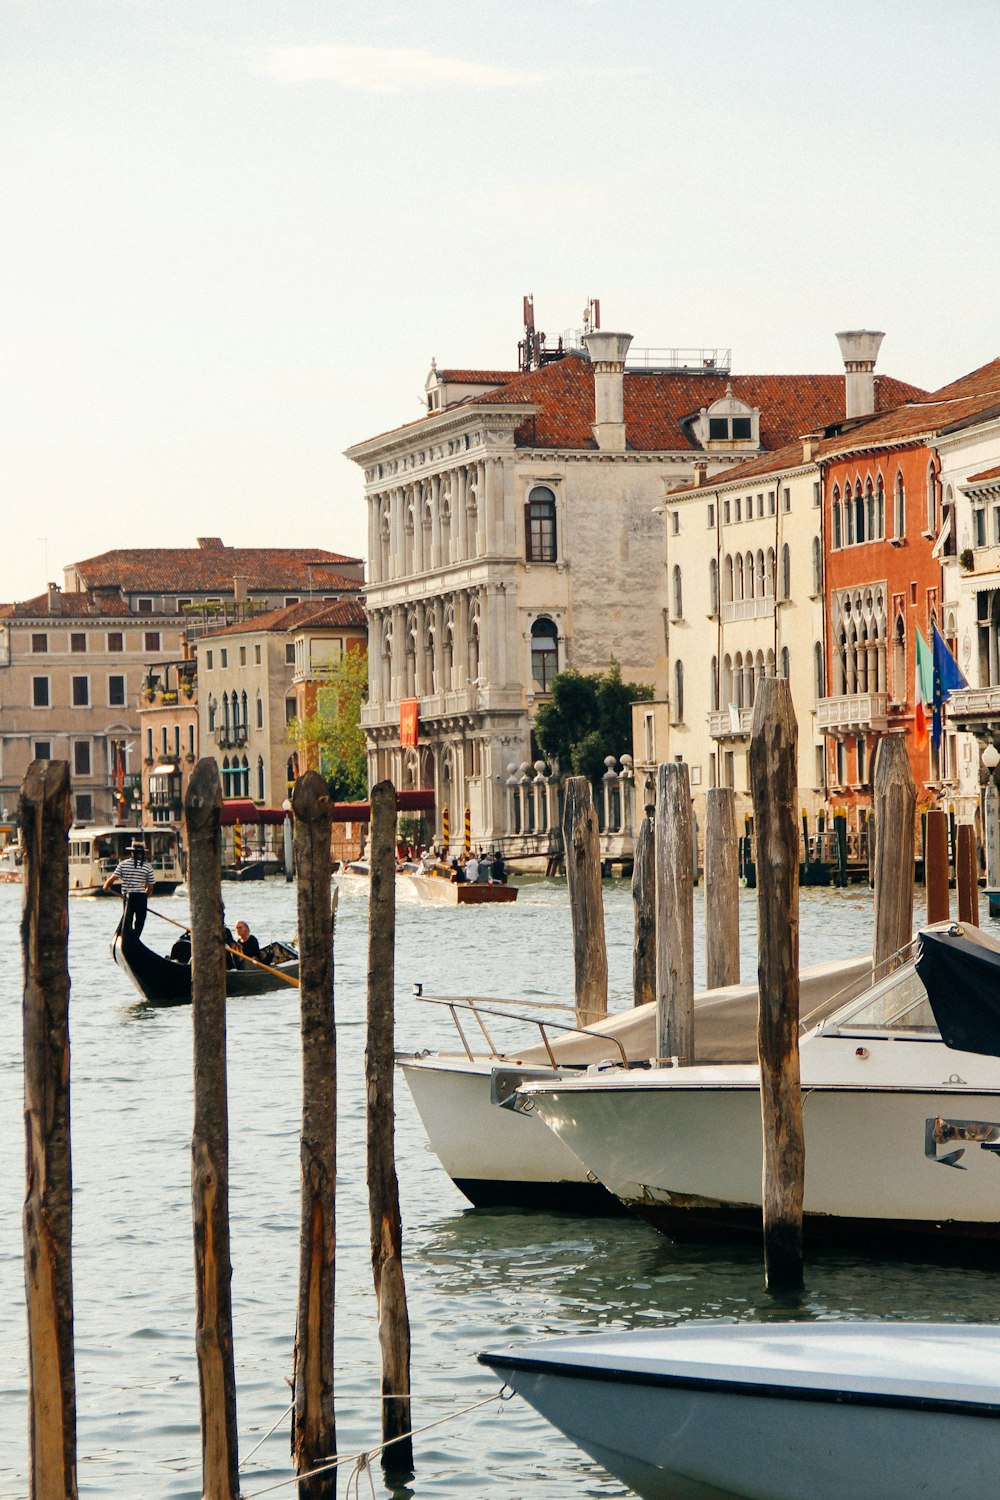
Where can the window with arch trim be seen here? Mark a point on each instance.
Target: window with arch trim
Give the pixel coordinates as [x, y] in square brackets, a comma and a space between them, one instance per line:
[678, 713]
[899, 506]
[678, 594]
[786, 572]
[540, 525]
[544, 654]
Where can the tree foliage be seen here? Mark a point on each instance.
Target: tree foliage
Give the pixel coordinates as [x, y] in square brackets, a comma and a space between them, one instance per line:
[588, 717]
[332, 736]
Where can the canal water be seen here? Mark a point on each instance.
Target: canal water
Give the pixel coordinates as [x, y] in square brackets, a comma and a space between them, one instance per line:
[473, 1278]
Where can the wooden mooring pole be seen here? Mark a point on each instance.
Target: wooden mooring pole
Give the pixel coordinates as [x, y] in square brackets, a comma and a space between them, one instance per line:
[582, 844]
[772, 758]
[644, 902]
[967, 874]
[722, 889]
[47, 1216]
[674, 915]
[314, 1437]
[210, 1140]
[936, 866]
[895, 811]
[385, 1224]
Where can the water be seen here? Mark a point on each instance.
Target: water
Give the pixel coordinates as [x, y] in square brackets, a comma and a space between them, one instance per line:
[473, 1278]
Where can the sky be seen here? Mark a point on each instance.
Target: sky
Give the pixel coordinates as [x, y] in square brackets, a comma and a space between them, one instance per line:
[235, 233]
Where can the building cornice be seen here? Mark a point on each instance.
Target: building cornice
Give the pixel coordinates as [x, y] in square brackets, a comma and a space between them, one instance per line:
[431, 429]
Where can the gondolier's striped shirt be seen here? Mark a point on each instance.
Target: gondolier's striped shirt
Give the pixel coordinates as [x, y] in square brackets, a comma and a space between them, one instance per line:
[135, 877]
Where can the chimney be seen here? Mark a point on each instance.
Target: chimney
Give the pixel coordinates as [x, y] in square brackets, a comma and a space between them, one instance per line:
[810, 443]
[241, 589]
[54, 594]
[859, 351]
[607, 355]
[700, 472]
[210, 543]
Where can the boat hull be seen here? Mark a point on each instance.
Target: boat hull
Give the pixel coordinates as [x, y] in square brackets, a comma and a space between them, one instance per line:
[433, 890]
[796, 1428]
[161, 981]
[687, 1155]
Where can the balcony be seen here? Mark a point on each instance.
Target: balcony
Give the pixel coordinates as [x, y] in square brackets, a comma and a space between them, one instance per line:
[854, 713]
[231, 736]
[747, 609]
[975, 709]
[730, 724]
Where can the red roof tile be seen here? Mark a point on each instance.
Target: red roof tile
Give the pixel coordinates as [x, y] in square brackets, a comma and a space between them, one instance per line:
[659, 404]
[72, 604]
[477, 377]
[212, 568]
[348, 613]
[984, 476]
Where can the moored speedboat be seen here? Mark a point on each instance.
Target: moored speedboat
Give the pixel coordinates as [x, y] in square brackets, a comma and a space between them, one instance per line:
[799, 1411]
[500, 1158]
[889, 1113]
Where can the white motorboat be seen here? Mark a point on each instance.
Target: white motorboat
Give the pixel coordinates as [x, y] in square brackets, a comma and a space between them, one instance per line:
[417, 885]
[499, 1158]
[901, 1132]
[794, 1411]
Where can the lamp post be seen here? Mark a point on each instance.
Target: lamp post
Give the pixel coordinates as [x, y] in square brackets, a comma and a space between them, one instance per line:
[286, 808]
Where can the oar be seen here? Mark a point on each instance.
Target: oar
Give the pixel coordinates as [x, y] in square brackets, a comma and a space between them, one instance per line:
[278, 974]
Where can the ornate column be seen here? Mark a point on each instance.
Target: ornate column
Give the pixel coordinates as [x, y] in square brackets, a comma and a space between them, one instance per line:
[435, 488]
[397, 534]
[459, 515]
[374, 574]
[482, 535]
[420, 663]
[460, 652]
[439, 682]
[398, 651]
[486, 627]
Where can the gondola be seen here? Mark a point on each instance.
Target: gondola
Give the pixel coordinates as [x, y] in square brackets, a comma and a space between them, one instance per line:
[163, 981]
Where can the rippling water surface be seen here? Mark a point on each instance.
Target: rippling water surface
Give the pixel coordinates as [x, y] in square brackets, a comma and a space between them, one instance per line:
[473, 1277]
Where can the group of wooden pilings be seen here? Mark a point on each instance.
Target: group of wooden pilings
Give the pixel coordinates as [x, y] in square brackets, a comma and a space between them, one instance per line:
[663, 951]
[47, 1220]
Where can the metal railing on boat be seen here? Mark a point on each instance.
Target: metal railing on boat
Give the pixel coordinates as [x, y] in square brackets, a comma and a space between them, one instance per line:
[478, 1010]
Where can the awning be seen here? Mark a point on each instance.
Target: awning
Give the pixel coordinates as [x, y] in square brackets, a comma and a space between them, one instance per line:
[413, 799]
[242, 810]
[165, 770]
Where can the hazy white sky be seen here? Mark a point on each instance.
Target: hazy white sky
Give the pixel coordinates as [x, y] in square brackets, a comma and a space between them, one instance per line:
[234, 233]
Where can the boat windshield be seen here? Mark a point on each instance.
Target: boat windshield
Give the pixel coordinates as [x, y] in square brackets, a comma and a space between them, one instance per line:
[898, 1003]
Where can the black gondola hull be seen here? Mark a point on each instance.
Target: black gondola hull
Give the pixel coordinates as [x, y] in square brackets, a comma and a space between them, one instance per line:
[162, 981]
[962, 980]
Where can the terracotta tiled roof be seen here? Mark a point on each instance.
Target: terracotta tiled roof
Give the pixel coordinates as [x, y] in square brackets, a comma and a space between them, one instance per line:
[984, 476]
[658, 404]
[965, 400]
[477, 377]
[320, 612]
[73, 605]
[212, 568]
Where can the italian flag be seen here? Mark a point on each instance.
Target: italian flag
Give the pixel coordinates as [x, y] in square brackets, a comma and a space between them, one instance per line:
[923, 691]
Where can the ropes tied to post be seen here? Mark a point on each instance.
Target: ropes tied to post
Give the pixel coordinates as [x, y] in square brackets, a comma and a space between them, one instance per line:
[361, 1462]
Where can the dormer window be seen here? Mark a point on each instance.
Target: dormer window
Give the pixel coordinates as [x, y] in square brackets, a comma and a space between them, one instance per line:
[728, 422]
[725, 429]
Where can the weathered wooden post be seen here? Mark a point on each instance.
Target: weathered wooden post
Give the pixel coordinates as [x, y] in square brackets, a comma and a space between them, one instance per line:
[870, 843]
[896, 802]
[385, 1225]
[582, 843]
[674, 915]
[840, 830]
[936, 866]
[644, 902]
[210, 1140]
[967, 874]
[47, 1217]
[314, 1437]
[991, 840]
[773, 747]
[722, 889]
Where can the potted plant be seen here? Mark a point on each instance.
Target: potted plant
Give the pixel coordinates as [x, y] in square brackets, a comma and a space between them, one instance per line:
[966, 560]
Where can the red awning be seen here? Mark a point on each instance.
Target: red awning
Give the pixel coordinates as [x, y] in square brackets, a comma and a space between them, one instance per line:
[242, 810]
[416, 799]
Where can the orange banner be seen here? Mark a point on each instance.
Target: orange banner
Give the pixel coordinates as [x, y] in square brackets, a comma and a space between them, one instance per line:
[408, 721]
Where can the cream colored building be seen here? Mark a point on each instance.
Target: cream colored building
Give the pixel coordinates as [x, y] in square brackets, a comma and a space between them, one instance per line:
[513, 533]
[745, 592]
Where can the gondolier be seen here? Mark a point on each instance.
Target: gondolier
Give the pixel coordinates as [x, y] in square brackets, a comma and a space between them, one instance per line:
[136, 878]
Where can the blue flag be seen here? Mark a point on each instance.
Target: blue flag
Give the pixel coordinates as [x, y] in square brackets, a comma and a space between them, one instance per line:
[947, 678]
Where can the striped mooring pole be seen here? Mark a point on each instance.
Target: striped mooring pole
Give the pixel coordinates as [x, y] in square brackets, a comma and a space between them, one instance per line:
[468, 831]
[238, 843]
[445, 832]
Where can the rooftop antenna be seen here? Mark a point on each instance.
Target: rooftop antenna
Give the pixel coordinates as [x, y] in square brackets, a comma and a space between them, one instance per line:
[592, 315]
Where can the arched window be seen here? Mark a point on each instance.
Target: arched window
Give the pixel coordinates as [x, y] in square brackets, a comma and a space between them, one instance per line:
[860, 533]
[243, 708]
[713, 587]
[879, 508]
[748, 574]
[212, 706]
[678, 594]
[544, 654]
[245, 777]
[260, 712]
[260, 778]
[678, 715]
[835, 512]
[820, 682]
[931, 498]
[727, 580]
[226, 774]
[727, 680]
[899, 683]
[761, 575]
[713, 684]
[785, 663]
[899, 520]
[540, 525]
[870, 531]
[786, 572]
[739, 594]
[817, 567]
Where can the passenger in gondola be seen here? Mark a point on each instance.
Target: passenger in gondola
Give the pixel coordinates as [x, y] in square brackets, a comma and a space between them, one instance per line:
[181, 951]
[246, 943]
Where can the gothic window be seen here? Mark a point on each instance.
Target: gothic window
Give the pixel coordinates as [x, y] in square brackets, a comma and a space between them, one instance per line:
[786, 572]
[243, 709]
[727, 580]
[785, 663]
[260, 778]
[899, 683]
[540, 525]
[817, 566]
[544, 654]
[879, 508]
[820, 682]
[899, 506]
[836, 513]
[713, 587]
[931, 498]
[678, 595]
[713, 685]
[678, 715]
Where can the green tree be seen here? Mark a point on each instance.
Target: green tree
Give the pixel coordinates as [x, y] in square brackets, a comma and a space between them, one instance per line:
[588, 717]
[332, 736]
